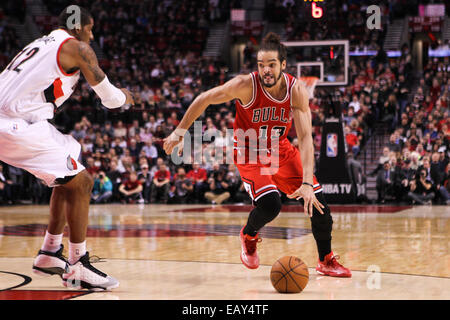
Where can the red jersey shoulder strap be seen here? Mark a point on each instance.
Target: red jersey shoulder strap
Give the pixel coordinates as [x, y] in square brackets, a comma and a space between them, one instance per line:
[292, 82]
[254, 76]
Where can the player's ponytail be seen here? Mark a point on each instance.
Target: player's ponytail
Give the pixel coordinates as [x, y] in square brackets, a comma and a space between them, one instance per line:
[272, 42]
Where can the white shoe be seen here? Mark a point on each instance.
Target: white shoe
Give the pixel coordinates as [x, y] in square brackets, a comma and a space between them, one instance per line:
[82, 275]
[49, 263]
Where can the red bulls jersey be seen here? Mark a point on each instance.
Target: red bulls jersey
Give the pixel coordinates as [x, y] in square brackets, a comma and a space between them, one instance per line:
[264, 118]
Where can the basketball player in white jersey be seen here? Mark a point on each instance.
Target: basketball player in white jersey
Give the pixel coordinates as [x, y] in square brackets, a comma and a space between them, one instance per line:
[36, 82]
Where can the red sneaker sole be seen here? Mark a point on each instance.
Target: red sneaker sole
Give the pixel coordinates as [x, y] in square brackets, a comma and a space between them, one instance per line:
[334, 275]
[248, 266]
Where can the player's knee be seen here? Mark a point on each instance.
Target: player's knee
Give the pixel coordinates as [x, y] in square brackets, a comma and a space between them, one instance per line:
[269, 205]
[81, 183]
[89, 182]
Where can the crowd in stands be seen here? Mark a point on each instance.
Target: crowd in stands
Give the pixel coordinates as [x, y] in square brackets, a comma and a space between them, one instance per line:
[122, 149]
[414, 166]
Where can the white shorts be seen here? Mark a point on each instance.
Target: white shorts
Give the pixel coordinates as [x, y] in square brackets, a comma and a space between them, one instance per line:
[40, 149]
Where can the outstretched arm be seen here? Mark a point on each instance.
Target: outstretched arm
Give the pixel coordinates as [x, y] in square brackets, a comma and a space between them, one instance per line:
[237, 88]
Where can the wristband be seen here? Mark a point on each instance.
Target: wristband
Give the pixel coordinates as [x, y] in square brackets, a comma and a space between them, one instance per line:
[179, 132]
[308, 184]
[111, 96]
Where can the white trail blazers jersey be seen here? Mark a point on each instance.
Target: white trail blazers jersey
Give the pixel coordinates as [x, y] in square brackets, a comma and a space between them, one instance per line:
[34, 83]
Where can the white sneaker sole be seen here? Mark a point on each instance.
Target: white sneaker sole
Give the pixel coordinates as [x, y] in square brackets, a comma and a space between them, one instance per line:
[79, 287]
[42, 274]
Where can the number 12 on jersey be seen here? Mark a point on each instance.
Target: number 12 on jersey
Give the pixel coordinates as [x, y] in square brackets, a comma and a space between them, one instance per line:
[29, 54]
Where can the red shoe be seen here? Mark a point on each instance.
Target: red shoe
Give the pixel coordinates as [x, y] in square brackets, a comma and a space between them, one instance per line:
[330, 267]
[249, 256]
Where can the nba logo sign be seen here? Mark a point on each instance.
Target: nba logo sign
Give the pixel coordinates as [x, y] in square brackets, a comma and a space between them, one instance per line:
[332, 145]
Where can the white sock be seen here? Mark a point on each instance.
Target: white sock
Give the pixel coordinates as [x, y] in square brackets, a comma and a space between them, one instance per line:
[76, 251]
[52, 242]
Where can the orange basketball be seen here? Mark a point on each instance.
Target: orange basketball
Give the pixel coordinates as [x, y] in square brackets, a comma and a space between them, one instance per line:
[289, 275]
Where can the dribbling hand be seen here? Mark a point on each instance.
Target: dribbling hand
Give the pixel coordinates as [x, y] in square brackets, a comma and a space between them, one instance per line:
[307, 193]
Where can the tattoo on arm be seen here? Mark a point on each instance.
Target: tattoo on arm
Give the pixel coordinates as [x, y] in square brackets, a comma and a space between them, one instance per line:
[88, 56]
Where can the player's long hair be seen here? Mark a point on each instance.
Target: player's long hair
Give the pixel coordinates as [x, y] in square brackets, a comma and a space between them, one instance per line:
[271, 42]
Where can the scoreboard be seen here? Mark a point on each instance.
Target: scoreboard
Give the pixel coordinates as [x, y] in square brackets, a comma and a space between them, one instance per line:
[316, 10]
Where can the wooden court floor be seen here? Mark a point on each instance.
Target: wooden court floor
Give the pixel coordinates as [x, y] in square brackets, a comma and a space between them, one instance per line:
[191, 252]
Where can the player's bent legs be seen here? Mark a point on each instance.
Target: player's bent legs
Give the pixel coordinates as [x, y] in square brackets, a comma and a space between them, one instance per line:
[57, 219]
[322, 225]
[77, 197]
[267, 209]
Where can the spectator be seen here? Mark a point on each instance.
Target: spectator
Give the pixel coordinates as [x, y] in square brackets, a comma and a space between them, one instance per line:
[78, 132]
[156, 166]
[384, 182]
[134, 129]
[352, 140]
[92, 165]
[102, 191]
[436, 176]
[354, 105]
[236, 187]
[390, 112]
[40, 192]
[398, 177]
[120, 131]
[182, 187]
[394, 144]
[357, 177]
[108, 130]
[115, 176]
[145, 178]
[406, 176]
[198, 176]
[100, 146]
[383, 158]
[145, 135]
[131, 190]
[218, 186]
[421, 189]
[134, 149]
[161, 185]
[150, 150]
[119, 145]
[152, 124]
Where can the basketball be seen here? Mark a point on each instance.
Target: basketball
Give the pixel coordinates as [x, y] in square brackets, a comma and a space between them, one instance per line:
[289, 274]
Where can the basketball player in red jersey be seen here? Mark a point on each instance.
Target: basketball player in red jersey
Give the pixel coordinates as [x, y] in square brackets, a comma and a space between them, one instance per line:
[35, 83]
[266, 102]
